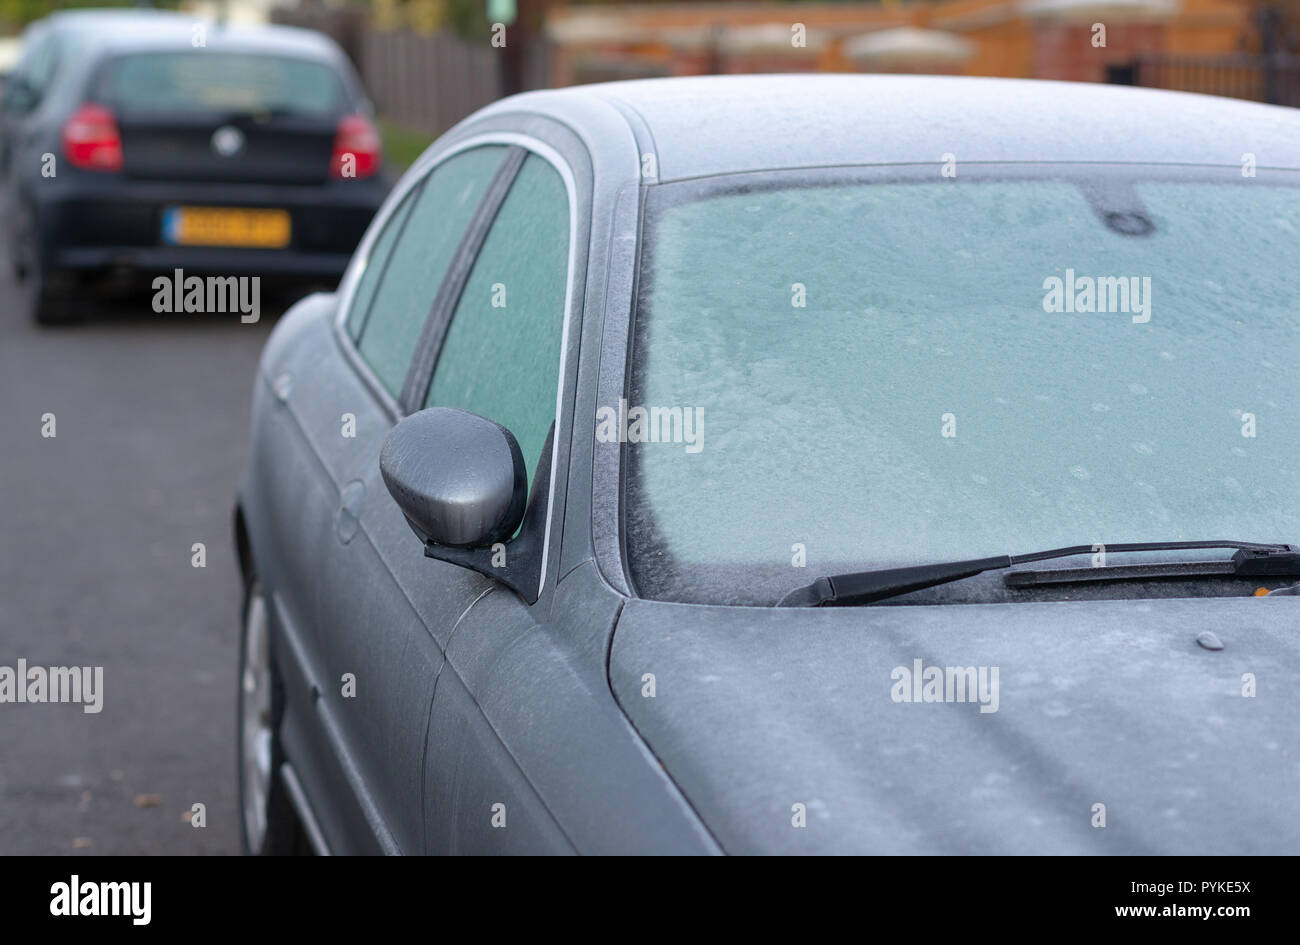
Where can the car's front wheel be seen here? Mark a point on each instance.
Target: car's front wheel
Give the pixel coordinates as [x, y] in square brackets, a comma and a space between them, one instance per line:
[269, 825]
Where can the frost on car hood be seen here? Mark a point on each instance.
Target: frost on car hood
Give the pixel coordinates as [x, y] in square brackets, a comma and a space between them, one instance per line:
[1114, 730]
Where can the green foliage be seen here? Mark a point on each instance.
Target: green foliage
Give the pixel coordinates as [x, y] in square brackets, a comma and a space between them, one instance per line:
[16, 14]
[468, 17]
[610, 3]
[402, 145]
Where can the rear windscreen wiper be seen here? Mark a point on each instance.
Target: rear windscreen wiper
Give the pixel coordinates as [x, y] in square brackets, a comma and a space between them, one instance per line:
[1252, 559]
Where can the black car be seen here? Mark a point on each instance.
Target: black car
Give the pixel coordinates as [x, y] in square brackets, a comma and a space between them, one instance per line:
[146, 141]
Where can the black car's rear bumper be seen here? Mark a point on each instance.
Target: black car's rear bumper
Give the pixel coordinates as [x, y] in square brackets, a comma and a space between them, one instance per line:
[202, 259]
[91, 221]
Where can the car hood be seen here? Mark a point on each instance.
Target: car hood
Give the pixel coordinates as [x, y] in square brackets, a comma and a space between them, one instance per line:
[769, 717]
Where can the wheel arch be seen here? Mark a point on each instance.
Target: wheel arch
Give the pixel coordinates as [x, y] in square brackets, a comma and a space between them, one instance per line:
[243, 549]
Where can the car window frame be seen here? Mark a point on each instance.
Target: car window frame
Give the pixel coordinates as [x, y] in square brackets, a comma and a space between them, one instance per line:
[407, 186]
[613, 472]
[433, 333]
[574, 290]
[404, 207]
[41, 40]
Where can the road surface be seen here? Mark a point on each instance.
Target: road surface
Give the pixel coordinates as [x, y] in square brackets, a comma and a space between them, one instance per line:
[97, 527]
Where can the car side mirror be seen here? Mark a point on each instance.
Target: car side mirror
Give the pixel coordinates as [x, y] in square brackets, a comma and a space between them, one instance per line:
[18, 95]
[461, 482]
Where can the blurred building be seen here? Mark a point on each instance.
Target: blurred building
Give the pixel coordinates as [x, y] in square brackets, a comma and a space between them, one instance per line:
[1056, 39]
[242, 12]
[429, 63]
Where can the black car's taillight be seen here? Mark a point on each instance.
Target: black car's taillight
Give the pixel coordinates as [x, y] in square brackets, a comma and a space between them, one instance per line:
[357, 148]
[91, 140]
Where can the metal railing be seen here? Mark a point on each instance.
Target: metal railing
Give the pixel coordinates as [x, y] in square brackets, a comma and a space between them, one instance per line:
[1274, 79]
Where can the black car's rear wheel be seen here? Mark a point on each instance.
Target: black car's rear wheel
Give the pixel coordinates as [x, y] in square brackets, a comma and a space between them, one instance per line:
[269, 824]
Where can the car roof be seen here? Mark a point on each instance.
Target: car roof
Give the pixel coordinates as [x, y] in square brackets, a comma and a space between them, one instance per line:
[708, 125]
[112, 22]
[124, 30]
[107, 14]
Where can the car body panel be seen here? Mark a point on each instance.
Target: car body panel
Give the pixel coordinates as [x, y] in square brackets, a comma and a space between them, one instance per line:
[382, 606]
[706, 125]
[287, 500]
[391, 628]
[539, 683]
[91, 221]
[1100, 702]
[482, 699]
[352, 586]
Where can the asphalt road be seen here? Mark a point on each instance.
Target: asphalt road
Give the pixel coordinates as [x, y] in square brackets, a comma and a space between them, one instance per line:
[96, 529]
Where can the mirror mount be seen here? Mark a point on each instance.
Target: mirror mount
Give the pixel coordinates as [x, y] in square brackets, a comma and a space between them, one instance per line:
[521, 557]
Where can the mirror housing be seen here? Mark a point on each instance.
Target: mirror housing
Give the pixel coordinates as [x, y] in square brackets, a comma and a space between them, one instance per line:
[458, 478]
[461, 482]
[17, 96]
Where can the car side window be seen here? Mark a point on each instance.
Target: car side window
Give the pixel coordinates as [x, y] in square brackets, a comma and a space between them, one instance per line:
[373, 267]
[45, 60]
[409, 267]
[501, 355]
[33, 73]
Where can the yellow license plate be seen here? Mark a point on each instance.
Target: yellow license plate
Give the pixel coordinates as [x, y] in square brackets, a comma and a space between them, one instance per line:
[221, 226]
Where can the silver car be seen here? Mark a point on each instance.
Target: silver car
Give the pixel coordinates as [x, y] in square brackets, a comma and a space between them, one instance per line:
[791, 464]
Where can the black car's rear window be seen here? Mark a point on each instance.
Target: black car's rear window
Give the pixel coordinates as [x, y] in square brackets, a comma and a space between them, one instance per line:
[222, 82]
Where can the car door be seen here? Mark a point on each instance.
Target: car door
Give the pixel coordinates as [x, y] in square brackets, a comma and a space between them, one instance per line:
[499, 356]
[19, 102]
[385, 613]
[528, 752]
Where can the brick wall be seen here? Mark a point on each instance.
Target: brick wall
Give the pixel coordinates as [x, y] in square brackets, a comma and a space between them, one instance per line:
[1066, 50]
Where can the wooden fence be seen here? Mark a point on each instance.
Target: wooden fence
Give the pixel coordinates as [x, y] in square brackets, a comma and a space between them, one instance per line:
[427, 82]
[423, 82]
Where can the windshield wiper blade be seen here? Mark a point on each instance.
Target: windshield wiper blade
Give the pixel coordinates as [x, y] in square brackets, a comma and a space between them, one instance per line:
[1245, 563]
[865, 587]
